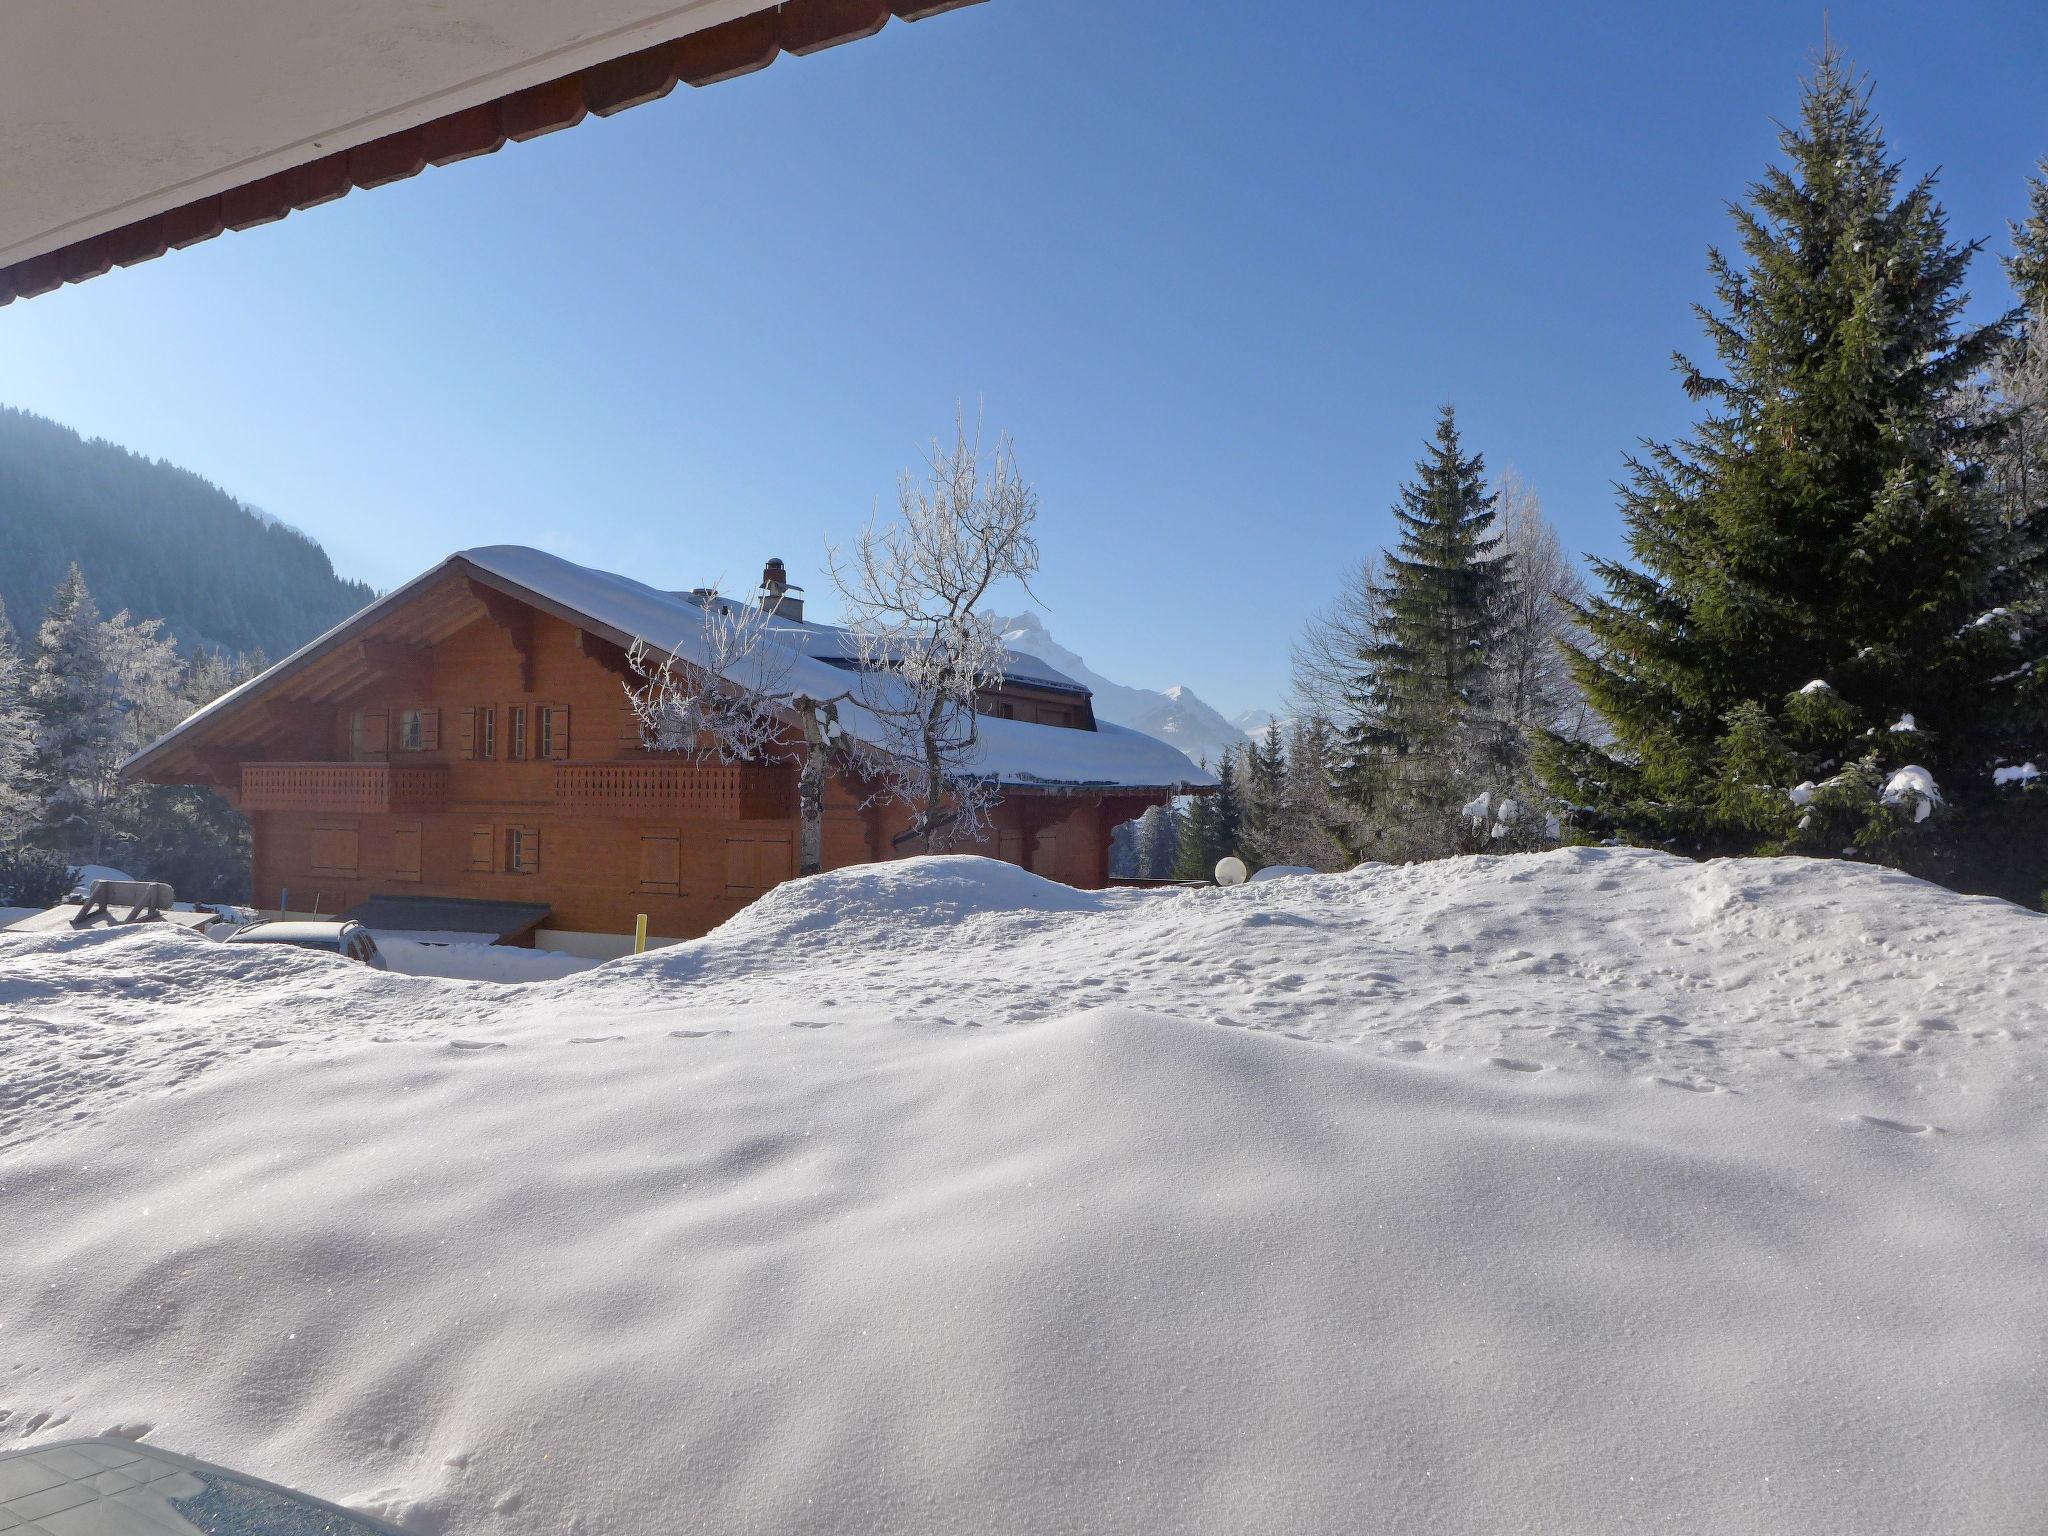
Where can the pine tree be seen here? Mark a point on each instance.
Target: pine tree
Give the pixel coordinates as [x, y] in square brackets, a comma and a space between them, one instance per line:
[18, 800]
[98, 690]
[1424, 721]
[1158, 841]
[2018, 401]
[186, 833]
[1826, 526]
[1226, 824]
[1195, 855]
[75, 716]
[1266, 809]
[2028, 264]
[1214, 826]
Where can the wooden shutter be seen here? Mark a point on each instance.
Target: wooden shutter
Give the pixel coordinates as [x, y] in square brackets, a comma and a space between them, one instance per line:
[430, 730]
[557, 717]
[372, 730]
[465, 733]
[529, 850]
[774, 866]
[334, 851]
[661, 863]
[483, 846]
[629, 739]
[405, 851]
[739, 864]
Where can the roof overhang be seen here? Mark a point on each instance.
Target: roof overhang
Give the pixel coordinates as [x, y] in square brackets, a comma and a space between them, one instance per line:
[135, 128]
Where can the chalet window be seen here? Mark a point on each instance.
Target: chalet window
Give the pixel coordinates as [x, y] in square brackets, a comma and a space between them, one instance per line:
[369, 734]
[483, 844]
[334, 852]
[517, 723]
[405, 851]
[476, 734]
[661, 863]
[552, 729]
[419, 730]
[522, 850]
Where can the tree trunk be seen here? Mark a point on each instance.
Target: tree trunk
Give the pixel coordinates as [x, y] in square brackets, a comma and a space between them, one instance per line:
[810, 792]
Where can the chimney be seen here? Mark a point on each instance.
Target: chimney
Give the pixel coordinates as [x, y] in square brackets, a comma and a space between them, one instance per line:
[776, 590]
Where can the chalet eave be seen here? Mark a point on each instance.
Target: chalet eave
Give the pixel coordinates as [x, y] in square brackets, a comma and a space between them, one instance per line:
[94, 214]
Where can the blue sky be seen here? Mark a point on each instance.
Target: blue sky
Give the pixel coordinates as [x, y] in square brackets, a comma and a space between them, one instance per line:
[1214, 266]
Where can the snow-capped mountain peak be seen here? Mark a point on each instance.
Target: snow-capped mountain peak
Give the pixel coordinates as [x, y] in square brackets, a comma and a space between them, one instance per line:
[1177, 714]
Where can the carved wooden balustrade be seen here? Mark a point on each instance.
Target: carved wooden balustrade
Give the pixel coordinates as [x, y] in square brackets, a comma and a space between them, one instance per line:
[686, 790]
[333, 787]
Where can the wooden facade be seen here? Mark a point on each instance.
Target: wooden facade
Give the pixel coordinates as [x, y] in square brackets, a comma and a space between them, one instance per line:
[462, 741]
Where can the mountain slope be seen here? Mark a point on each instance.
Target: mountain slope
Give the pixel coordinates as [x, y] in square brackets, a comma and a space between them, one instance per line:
[157, 540]
[1173, 715]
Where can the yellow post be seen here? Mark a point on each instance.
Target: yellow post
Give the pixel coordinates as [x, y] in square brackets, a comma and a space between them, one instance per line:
[640, 934]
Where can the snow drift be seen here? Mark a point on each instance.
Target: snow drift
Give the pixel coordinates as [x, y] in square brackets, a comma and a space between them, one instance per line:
[1577, 1192]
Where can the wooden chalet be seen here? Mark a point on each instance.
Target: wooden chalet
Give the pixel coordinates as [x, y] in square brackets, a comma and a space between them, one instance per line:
[465, 745]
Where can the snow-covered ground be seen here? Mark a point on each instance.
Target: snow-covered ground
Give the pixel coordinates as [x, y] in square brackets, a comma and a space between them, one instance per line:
[1579, 1192]
[472, 957]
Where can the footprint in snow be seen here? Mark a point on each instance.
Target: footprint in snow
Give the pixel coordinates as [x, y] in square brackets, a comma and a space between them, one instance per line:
[696, 1034]
[1409, 1045]
[1904, 1127]
[812, 1023]
[476, 1045]
[594, 1039]
[1688, 1085]
[1508, 1064]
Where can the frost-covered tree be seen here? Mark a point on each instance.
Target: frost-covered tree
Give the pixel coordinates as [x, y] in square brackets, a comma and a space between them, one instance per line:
[1158, 841]
[99, 690]
[187, 834]
[739, 705]
[1808, 649]
[926, 652]
[18, 799]
[1529, 681]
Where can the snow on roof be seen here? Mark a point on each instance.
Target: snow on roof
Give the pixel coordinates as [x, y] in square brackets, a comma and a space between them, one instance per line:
[829, 642]
[1011, 751]
[812, 658]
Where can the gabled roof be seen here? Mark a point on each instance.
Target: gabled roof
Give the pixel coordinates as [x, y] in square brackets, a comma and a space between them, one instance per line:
[621, 610]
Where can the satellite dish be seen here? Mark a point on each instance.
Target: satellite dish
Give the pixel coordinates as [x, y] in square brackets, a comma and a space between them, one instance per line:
[1230, 870]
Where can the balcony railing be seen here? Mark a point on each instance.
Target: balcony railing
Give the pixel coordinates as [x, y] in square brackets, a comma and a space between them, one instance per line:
[686, 790]
[359, 787]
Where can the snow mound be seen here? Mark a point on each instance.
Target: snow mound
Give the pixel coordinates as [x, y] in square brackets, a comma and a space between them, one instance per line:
[1556, 1192]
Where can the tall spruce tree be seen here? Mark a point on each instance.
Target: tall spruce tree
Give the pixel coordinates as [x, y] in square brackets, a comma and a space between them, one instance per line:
[1266, 809]
[1213, 826]
[2018, 397]
[76, 717]
[98, 689]
[1811, 610]
[1423, 722]
[18, 799]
